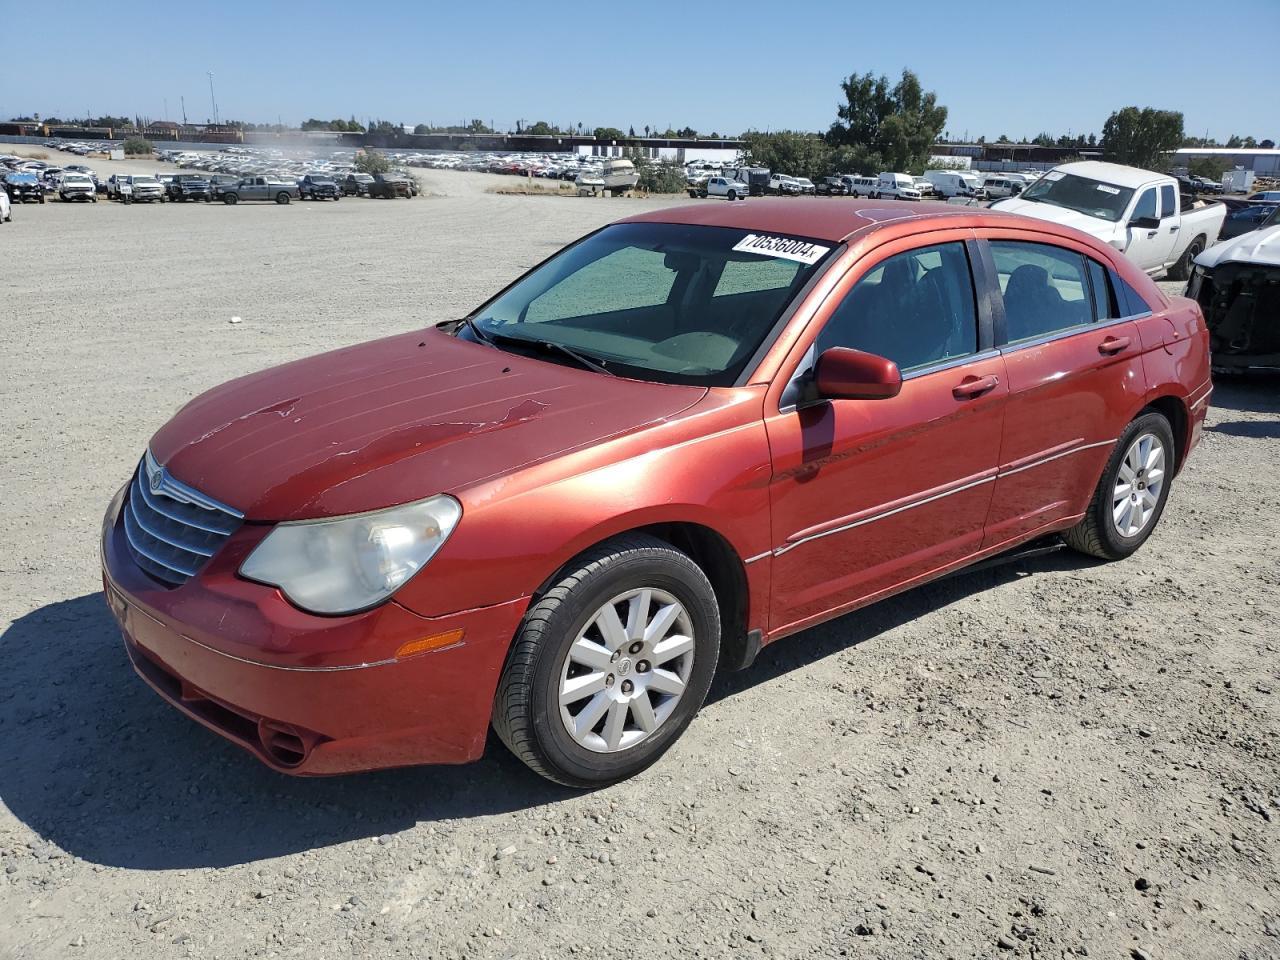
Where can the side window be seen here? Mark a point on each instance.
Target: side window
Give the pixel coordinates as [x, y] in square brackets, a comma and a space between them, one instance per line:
[1045, 289]
[1131, 303]
[1168, 200]
[1146, 204]
[623, 280]
[916, 308]
[1103, 301]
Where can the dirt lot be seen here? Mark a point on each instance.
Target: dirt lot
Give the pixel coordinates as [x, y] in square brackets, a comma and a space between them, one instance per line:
[1057, 758]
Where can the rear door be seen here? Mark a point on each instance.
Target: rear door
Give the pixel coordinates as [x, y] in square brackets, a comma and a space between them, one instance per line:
[1073, 361]
[868, 495]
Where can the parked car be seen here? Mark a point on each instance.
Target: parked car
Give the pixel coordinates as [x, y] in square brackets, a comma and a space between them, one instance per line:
[77, 186]
[926, 189]
[1138, 212]
[722, 187]
[188, 186]
[755, 179]
[6, 207]
[24, 187]
[1237, 284]
[261, 188]
[356, 184]
[898, 186]
[1247, 216]
[1272, 195]
[318, 187]
[220, 183]
[830, 187]
[388, 186]
[861, 186]
[780, 183]
[143, 190]
[807, 186]
[997, 187]
[374, 577]
[956, 183]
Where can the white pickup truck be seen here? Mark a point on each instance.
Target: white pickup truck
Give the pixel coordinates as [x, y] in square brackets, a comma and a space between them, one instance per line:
[1136, 211]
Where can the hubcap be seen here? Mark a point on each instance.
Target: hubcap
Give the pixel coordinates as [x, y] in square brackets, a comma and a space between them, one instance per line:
[626, 671]
[1138, 485]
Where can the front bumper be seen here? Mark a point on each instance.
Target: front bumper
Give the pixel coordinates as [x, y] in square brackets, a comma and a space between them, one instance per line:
[307, 695]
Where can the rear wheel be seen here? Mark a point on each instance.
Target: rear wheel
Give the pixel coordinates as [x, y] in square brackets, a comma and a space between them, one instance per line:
[1131, 495]
[610, 665]
[282, 197]
[1182, 269]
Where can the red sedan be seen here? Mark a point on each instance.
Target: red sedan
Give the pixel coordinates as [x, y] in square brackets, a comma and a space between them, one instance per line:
[687, 435]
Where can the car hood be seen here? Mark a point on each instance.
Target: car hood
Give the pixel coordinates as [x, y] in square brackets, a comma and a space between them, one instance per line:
[392, 421]
[1102, 229]
[1258, 246]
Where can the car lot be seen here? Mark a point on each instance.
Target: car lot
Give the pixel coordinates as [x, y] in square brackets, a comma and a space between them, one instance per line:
[1059, 754]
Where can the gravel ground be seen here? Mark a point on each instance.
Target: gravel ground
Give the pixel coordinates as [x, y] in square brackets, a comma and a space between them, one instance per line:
[1054, 758]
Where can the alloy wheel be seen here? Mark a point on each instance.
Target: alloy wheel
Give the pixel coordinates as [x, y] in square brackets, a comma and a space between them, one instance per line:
[1138, 484]
[626, 671]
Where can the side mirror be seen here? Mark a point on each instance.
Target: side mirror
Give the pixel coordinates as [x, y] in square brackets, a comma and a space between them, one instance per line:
[845, 374]
[1145, 223]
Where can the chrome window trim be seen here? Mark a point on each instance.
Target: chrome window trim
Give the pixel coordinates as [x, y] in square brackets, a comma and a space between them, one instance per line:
[949, 364]
[1014, 345]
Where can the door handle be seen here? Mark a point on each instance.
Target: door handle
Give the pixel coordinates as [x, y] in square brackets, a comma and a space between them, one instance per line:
[1113, 345]
[974, 387]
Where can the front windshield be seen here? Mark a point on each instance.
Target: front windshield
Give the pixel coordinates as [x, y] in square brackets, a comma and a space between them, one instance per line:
[1090, 197]
[674, 303]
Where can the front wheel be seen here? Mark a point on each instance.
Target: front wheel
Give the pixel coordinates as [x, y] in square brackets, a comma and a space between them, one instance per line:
[1131, 495]
[230, 199]
[610, 665]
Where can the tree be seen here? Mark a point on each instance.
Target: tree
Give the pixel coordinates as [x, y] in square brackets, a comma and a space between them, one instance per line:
[886, 127]
[541, 129]
[790, 151]
[1142, 137]
[1211, 168]
[609, 133]
[1003, 138]
[371, 161]
[137, 146]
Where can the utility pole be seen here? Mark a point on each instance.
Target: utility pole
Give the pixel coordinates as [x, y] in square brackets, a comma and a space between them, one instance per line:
[184, 110]
[213, 99]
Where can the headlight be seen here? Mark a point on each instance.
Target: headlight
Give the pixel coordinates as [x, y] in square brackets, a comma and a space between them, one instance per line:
[352, 563]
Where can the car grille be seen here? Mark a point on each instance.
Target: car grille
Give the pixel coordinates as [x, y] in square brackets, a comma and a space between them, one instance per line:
[172, 530]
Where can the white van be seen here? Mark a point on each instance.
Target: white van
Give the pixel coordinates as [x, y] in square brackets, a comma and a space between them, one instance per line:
[952, 183]
[898, 185]
[860, 186]
[1002, 186]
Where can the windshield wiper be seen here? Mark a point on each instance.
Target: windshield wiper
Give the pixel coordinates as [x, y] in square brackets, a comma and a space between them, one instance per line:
[477, 332]
[550, 345]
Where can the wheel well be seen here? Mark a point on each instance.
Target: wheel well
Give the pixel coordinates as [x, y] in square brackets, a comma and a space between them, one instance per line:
[718, 560]
[1175, 411]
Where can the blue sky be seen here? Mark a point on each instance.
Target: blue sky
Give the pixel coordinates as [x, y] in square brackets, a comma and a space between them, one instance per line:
[1001, 67]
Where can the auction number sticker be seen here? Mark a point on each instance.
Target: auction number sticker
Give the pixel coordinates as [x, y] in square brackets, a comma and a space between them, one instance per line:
[785, 248]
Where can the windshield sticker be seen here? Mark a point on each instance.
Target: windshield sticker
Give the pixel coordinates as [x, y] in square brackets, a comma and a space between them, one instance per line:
[1111, 190]
[785, 248]
[1054, 175]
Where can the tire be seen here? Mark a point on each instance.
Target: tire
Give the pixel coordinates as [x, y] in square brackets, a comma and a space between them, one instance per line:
[230, 198]
[733, 195]
[1098, 534]
[1182, 269]
[528, 714]
[282, 197]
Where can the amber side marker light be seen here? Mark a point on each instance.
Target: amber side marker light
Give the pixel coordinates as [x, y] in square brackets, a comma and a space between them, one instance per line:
[437, 642]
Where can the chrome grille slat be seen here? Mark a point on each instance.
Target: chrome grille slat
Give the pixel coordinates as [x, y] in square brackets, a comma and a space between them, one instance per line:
[171, 529]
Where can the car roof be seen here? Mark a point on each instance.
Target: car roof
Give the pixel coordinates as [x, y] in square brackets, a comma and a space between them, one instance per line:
[1113, 173]
[824, 219]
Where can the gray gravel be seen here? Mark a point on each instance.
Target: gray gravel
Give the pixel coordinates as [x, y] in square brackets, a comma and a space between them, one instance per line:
[1052, 759]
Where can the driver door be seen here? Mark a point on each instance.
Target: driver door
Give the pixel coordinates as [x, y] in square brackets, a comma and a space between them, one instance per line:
[868, 496]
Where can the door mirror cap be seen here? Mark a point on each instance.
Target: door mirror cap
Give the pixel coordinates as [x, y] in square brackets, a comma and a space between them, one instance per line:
[846, 374]
[1145, 223]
